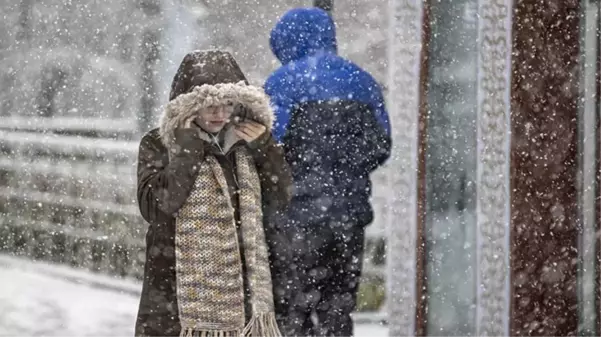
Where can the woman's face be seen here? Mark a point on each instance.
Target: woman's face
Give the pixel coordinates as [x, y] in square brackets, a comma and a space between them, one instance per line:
[214, 119]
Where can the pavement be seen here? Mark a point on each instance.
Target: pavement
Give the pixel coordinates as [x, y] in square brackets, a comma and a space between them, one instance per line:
[41, 299]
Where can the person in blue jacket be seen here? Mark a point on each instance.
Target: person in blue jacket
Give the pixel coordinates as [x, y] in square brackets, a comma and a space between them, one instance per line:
[332, 122]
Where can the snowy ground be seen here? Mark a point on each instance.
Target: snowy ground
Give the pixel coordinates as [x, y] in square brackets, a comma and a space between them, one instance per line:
[38, 299]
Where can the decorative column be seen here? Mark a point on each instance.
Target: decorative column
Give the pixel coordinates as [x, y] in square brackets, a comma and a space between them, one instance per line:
[588, 169]
[405, 50]
[544, 168]
[597, 225]
[494, 135]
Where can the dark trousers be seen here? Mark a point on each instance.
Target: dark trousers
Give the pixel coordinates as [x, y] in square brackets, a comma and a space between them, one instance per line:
[321, 282]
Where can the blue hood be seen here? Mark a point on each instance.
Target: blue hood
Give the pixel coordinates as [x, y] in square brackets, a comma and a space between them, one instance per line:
[302, 32]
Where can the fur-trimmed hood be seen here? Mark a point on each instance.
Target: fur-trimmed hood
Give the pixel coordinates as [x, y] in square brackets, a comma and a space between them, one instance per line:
[253, 99]
[211, 78]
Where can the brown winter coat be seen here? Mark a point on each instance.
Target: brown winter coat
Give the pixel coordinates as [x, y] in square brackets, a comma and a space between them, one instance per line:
[165, 182]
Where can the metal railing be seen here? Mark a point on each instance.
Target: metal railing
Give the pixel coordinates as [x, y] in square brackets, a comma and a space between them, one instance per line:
[67, 194]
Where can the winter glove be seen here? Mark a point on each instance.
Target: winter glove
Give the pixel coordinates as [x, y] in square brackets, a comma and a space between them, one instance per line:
[189, 141]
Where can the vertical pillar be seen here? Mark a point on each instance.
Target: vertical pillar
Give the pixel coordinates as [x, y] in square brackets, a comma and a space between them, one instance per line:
[588, 139]
[597, 110]
[544, 185]
[405, 54]
[421, 291]
[492, 209]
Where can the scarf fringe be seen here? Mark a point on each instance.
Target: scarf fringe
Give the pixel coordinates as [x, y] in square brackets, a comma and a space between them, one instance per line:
[262, 325]
[190, 332]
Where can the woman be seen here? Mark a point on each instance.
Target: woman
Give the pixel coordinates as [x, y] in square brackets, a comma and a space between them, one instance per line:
[208, 178]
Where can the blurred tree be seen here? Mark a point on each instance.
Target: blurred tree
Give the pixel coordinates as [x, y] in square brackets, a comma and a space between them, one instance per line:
[24, 32]
[53, 78]
[150, 57]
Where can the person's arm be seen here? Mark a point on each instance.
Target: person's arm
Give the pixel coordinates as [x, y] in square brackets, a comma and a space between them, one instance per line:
[381, 136]
[280, 92]
[274, 172]
[366, 144]
[370, 134]
[375, 98]
[163, 185]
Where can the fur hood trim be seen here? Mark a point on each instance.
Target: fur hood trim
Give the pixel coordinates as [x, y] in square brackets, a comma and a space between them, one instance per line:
[177, 111]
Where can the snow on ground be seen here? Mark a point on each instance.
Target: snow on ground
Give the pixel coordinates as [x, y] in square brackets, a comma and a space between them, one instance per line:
[37, 304]
[38, 299]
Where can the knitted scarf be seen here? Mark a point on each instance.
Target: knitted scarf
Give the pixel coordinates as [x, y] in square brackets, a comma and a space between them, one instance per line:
[210, 287]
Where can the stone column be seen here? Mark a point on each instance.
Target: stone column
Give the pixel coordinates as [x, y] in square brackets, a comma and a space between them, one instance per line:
[544, 121]
[492, 182]
[588, 168]
[405, 227]
[598, 184]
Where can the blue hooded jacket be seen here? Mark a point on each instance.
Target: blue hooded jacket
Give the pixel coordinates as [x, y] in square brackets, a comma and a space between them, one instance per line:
[331, 118]
[304, 40]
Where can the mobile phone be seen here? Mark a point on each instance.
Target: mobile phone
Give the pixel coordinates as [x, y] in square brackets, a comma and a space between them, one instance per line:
[240, 114]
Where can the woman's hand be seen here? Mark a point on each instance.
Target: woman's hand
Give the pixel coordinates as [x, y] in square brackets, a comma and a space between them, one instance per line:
[188, 123]
[250, 130]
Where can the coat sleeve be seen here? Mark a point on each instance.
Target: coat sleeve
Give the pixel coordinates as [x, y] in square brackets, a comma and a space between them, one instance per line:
[274, 172]
[281, 94]
[371, 92]
[365, 144]
[367, 135]
[164, 186]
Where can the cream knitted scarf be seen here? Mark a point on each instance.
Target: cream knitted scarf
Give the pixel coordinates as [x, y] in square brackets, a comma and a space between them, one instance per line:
[209, 276]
